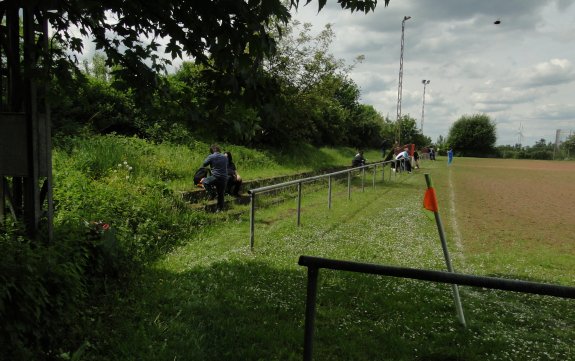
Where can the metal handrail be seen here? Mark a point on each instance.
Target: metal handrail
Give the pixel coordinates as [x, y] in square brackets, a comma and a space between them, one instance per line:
[253, 192]
[315, 263]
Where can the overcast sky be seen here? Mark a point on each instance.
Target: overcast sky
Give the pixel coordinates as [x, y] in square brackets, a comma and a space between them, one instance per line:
[521, 72]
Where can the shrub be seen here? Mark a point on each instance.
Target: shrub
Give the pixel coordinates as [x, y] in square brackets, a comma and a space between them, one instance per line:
[42, 291]
[125, 182]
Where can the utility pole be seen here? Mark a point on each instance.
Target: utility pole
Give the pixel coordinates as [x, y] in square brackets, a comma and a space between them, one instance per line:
[398, 130]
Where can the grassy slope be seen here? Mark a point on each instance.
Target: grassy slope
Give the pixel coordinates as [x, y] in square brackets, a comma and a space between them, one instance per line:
[214, 299]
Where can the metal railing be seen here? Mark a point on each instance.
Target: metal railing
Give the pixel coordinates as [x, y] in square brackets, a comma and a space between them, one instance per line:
[300, 182]
[315, 263]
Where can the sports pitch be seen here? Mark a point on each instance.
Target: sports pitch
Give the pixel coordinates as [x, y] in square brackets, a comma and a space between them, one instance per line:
[512, 217]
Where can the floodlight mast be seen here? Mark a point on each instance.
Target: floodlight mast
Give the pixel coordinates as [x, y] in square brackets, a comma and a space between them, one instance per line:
[424, 82]
[399, 87]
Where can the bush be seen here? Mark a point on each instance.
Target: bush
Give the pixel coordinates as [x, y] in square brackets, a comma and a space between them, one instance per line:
[125, 182]
[42, 291]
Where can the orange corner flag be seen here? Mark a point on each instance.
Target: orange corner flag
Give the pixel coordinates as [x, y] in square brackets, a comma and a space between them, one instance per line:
[430, 200]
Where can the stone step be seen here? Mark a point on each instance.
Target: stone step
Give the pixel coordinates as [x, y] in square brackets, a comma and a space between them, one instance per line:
[199, 194]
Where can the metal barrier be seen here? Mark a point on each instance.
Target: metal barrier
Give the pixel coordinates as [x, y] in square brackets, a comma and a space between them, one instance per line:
[315, 263]
[299, 182]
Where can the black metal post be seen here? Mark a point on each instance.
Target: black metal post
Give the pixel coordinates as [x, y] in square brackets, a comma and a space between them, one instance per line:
[299, 204]
[312, 276]
[252, 218]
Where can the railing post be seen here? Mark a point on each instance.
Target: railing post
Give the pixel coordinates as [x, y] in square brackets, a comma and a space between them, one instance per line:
[349, 185]
[362, 179]
[374, 171]
[329, 192]
[252, 216]
[298, 203]
[2, 201]
[312, 275]
[383, 172]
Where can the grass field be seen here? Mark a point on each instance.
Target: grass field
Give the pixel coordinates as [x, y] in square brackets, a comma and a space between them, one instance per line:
[215, 299]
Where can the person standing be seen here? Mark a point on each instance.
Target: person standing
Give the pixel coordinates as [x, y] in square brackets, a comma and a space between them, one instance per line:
[416, 159]
[216, 183]
[449, 156]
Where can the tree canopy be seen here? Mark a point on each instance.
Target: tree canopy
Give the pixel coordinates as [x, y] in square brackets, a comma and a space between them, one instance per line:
[232, 36]
[305, 95]
[569, 144]
[473, 135]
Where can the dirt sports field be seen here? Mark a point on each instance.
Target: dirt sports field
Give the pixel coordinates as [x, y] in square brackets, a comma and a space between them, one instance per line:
[512, 218]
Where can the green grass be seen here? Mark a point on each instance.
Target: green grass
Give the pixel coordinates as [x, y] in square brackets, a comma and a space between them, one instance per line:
[175, 165]
[212, 298]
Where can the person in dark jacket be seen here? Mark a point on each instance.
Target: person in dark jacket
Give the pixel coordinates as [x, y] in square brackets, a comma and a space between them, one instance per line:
[358, 160]
[216, 182]
[234, 179]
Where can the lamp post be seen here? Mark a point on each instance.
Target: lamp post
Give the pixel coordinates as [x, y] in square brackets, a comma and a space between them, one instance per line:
[398, 131]
[424, 82]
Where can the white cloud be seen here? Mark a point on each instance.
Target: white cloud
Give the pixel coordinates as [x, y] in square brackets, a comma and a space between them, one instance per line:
[556, 112]
[552, 72]
[520, 71]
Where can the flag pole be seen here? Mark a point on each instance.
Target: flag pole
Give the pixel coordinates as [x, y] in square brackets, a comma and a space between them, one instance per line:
[455, 288]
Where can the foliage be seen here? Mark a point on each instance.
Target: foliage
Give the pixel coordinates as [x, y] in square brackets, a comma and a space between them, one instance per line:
[322, 107]
[98, 69]
[42, 293]
[441, 143]
[410, 133]
[125, 182]
[87, 103]
[473, 135]
[565, 149]
[228, 92]
[540, 150]
[232, 37]
[317, 101]
[365, 130]
[569, 144]
[135, 186]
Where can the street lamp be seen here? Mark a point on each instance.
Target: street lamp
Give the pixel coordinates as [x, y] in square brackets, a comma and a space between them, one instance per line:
[398, 134]
[424, 82]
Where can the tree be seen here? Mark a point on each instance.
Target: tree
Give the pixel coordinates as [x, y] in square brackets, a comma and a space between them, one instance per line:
[569, 144]
[231, 36]
[410, 133]
[473, 135]
[98, 68]
[441, 142]
[366, 128]
[314, 91]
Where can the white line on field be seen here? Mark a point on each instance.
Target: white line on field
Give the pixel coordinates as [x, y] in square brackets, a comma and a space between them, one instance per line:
[452, 214]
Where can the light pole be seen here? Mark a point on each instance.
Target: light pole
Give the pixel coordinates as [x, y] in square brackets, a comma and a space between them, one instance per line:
[424, 82]
[398, 130]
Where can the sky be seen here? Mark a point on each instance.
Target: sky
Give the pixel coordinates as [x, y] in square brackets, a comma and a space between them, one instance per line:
[521, 73]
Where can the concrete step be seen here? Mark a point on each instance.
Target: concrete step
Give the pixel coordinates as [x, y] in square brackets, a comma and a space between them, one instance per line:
[199, 194]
